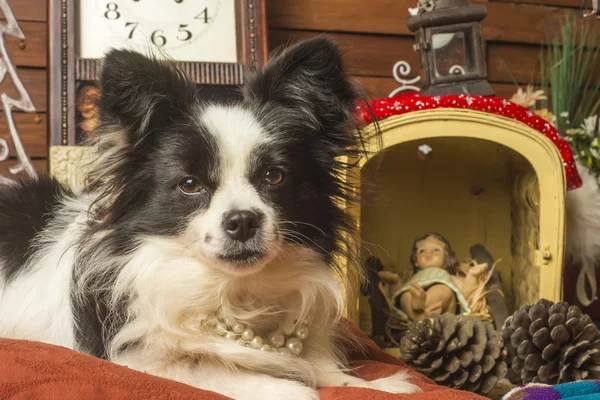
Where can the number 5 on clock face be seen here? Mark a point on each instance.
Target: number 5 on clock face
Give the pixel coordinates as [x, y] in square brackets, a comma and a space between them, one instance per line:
[183, 30]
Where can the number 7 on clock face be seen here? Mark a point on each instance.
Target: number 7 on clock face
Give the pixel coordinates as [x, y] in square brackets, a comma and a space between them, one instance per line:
[183, 30]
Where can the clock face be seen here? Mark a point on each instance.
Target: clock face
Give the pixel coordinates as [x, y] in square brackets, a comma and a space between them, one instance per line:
[183, 30]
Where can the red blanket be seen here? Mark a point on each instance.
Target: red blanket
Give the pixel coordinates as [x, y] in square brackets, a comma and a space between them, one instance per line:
[33, 370]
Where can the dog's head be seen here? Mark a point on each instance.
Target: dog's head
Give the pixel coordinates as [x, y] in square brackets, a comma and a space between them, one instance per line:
[234, 184]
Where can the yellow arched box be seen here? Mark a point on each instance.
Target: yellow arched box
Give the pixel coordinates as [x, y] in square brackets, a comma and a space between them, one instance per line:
[519, 215]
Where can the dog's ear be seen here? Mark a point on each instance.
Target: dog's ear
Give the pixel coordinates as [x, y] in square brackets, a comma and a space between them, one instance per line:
[308, 79]
[139, 92]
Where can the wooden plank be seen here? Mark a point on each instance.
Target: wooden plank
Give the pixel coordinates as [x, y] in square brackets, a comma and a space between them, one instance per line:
[505, 90]
[522, 23]
[506, 62]
[35, 81]
[351, 16]
[33, 130]
[29, 10]
[34, 53]
[376, 87]
[374, 55]
[40, 165]
[363, 54]
[557, 3]
[505, 21]
[509, 63]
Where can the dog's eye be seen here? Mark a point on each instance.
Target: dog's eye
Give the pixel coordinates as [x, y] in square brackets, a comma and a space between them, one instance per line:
[190, 185]
[273, 177]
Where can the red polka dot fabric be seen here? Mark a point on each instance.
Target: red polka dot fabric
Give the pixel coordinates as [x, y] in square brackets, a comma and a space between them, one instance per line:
[409, 102]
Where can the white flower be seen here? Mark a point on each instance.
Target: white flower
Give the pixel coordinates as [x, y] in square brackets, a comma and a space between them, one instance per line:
[589, 125]
[564, 114]
[529, 97]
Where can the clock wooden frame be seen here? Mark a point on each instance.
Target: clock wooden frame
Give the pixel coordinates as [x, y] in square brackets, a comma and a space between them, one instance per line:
[66, 69]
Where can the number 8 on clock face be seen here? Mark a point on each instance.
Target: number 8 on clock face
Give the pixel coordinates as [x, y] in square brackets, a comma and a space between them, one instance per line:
[183, 30]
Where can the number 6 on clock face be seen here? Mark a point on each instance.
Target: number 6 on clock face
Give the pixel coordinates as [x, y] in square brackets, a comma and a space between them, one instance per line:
[183, 30]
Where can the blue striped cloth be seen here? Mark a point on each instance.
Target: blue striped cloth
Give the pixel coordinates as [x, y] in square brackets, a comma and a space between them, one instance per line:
[581, 390]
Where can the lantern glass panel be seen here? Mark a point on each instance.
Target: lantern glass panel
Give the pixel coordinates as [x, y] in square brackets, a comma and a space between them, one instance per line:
[453, 53]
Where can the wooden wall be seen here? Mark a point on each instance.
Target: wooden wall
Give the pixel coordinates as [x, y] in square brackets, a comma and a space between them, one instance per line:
[31, 60]
[374, 35]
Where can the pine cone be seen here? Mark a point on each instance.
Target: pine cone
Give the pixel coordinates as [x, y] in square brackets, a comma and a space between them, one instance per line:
[551, 343]
[456, 351]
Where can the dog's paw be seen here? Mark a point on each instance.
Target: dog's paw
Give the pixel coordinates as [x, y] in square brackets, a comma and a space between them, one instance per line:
[398, 383]
[284, 390]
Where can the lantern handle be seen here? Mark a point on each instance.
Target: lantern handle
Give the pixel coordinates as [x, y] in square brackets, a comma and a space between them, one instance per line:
[426, 5]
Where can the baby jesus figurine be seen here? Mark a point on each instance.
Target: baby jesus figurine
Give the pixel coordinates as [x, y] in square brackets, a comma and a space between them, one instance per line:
[437, 286]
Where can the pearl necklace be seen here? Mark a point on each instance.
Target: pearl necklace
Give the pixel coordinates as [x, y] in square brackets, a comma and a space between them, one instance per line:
[285, 342]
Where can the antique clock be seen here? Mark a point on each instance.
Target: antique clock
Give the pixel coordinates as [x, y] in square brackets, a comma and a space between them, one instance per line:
[186, 29]
[213, 41]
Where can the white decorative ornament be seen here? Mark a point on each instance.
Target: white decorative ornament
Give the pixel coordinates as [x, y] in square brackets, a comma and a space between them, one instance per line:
[456, 70]
[425, 149]
[23, 103]
[402, 68]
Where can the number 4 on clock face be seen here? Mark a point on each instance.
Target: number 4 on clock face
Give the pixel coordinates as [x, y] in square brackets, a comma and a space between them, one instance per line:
[183, 30]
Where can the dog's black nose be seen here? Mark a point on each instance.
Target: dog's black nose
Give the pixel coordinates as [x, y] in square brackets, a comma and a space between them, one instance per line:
[241, 225]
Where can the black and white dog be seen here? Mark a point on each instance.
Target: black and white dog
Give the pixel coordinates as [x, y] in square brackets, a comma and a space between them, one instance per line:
[204, 249]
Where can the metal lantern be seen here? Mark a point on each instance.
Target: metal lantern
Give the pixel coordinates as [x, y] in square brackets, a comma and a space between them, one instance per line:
[450, 46]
